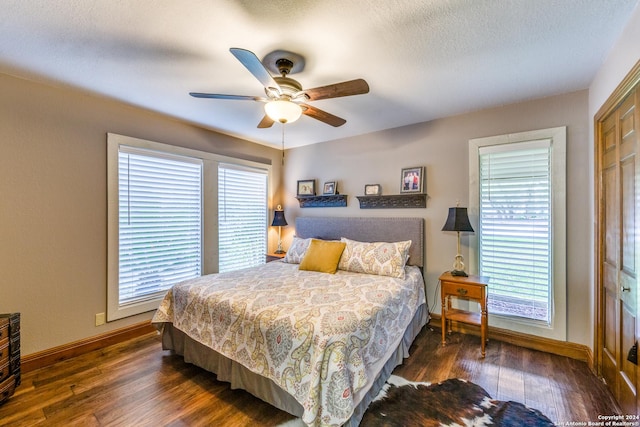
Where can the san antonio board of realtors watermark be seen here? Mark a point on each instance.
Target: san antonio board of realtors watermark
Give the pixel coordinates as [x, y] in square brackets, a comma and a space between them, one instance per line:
[605, 421]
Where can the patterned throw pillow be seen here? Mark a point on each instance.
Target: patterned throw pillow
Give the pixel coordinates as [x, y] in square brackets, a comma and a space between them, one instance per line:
[297, 250]
[381, 258]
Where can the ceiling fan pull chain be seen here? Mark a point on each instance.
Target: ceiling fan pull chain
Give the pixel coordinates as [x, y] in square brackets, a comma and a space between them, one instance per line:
[282, 124]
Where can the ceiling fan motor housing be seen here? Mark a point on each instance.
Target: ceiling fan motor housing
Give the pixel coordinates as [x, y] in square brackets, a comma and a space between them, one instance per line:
[288, 87]
[284, 66]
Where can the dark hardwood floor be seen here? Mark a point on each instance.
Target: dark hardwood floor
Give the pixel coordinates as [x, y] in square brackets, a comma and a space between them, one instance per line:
[137, 384]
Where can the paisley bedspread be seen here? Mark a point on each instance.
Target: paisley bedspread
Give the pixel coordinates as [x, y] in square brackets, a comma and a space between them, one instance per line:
[321, 337]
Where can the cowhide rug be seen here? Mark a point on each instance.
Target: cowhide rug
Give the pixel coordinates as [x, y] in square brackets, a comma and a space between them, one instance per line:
[453, 402]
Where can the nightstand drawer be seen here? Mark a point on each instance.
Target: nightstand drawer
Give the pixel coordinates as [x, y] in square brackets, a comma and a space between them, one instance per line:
[7, 388]
[462, 290]
[4, 328]
[4, 350]
[5, 370]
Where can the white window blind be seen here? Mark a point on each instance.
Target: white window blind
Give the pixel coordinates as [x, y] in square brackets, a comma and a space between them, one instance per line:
[242, 217]
[160, 217]
[515, 222]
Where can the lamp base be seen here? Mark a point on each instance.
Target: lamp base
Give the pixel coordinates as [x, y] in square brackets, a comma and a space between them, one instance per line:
[279, 251]
[460, 273]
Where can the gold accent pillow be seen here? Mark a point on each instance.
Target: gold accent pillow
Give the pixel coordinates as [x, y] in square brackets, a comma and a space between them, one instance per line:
[297, 250]
[381, 258]
[322, 256]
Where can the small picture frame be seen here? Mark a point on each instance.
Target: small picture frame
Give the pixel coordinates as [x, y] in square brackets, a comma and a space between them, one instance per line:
[412, 180]
[307, 187]
[372, 190]
[330, 188]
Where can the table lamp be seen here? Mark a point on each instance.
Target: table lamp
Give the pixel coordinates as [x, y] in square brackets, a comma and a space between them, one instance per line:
[279, 221]
[458, 221]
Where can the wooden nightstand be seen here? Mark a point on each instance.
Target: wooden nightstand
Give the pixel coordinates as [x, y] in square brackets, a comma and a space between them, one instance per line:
[472, 288]
[274, 257]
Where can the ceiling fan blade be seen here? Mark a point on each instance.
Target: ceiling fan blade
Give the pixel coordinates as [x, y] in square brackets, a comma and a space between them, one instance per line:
[255, 67]
[321, 115]
[266, 122]
[222, 96]
[352, 87]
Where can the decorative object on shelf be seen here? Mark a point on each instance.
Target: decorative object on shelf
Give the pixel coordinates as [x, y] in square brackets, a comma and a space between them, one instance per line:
[412, 180]
[393, 201]
[330, 188]
[307, 187]
[333, 201]
[458, 221]
[279, 221]
[372, 190]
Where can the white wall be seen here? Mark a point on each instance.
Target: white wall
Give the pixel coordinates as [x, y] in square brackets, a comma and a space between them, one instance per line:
[53, 202]
[442, 146]
[621, 59]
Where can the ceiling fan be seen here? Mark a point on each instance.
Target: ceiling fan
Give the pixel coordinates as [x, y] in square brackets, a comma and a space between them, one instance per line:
[285, 98]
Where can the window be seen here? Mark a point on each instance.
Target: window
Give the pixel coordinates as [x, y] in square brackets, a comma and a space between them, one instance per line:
[160, 211]
[517, 193]
[242, 217]
[163, 219]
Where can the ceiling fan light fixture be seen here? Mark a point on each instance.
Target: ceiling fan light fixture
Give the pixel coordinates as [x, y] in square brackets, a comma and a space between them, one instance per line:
[283, 111]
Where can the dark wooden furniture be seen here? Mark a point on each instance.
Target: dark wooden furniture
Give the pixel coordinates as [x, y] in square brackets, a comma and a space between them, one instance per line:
[393, 201]
[273, 256]
[9, 354]
[330, 201]
[473, 288]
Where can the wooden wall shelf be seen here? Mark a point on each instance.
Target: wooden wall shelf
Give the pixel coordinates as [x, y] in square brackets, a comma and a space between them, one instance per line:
[333, 201]
[393, 201]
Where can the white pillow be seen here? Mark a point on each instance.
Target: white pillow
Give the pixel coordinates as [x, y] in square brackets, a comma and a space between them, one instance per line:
[381, 258]
[297, 250]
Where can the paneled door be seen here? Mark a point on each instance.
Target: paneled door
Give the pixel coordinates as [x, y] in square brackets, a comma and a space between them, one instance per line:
[617, 243]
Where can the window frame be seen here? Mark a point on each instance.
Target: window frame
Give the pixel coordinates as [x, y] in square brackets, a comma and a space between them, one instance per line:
[210, 162]
[557, 328]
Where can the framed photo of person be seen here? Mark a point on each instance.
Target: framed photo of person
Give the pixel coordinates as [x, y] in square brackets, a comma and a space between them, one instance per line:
[330, 188]
[307, 187]
[412, 180]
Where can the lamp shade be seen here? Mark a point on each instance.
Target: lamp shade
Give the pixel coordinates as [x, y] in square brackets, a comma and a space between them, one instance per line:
[283, 111]
[458, 220]
[279, 219]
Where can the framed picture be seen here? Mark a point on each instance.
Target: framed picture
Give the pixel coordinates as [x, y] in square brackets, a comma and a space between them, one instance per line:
[412, 180]
[372, 190]
[330, 188]
[307, 187]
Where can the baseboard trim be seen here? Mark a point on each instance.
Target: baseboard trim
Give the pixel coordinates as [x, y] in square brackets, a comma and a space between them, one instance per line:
[560, 348]
[77, 348]
[44, 358]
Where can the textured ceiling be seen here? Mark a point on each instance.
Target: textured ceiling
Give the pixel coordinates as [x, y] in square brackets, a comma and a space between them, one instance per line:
[422, 59]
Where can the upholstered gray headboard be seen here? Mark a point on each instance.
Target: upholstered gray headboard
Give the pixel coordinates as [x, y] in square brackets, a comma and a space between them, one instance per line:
[367, 230]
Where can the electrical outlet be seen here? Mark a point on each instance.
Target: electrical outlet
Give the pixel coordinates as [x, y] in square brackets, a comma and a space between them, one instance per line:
[100, 319]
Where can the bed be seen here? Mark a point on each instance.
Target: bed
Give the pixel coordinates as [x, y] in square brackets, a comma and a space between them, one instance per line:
[319, 346]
